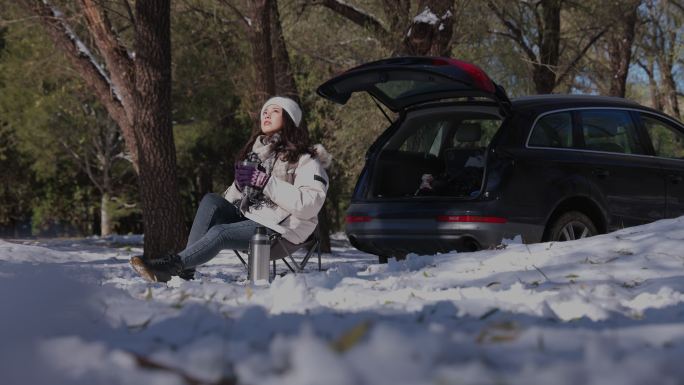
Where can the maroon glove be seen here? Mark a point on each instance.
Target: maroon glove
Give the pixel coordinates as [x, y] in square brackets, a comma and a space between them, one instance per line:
[238, 183]
[249, 176]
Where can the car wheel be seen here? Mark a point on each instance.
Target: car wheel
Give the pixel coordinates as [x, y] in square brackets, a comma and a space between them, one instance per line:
[570, 226]
[382, 259]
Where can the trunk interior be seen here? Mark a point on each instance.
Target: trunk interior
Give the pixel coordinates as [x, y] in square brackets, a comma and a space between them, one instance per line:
[435, 152]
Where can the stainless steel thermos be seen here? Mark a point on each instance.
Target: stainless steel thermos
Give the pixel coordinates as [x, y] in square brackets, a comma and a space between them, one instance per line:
[259, 255]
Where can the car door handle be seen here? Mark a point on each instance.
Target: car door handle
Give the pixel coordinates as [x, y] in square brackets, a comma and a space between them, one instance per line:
[675, 179]
[601, 173]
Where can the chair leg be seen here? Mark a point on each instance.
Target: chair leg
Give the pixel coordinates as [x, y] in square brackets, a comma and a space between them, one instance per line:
[308, 255]
[289, 266]
[274, 269]
[299, 268]
[242, 260]
[318, 250]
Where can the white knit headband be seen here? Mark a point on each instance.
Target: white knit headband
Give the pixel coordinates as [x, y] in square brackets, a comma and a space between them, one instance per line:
[287, 104]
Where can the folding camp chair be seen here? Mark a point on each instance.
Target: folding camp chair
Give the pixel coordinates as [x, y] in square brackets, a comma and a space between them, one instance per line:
[283, 249]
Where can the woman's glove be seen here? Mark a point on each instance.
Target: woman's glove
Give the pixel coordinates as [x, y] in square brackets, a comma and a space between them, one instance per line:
[249, 176]
[238, 183]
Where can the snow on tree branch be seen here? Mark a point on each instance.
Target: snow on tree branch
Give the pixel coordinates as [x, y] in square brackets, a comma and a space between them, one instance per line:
[82, 48]
[426, 17]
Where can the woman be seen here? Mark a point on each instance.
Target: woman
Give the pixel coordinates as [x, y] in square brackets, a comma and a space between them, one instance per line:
[284, 193]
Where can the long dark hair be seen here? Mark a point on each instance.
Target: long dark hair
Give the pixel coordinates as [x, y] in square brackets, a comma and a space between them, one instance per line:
[294, 141]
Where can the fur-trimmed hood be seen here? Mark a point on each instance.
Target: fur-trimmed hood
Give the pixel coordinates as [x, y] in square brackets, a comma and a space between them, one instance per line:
[323, 156]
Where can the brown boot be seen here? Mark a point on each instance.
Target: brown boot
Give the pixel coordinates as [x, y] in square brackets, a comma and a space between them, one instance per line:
[159, 269]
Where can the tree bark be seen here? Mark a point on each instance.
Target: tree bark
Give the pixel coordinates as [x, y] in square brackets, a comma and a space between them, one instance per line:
[285, 83]
[671, 91]
[649, 68]
[665, 60]
[165, 230]
[661, 43]
[105, 217]
[262, 50]
[544, 74]
[430, 30]
[620, 51]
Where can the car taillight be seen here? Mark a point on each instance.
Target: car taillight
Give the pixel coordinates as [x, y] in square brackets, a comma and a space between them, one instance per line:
[358, 218]
[480, 78]
[470, 218]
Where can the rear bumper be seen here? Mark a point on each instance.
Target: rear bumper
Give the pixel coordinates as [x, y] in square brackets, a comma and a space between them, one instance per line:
[381, 239]
[396, 228]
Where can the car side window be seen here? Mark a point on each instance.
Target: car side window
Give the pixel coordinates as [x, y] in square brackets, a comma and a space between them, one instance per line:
[667, 141]
[610, 131]
[553, 130]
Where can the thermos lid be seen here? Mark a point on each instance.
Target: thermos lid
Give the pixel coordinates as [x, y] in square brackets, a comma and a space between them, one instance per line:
[260, 230]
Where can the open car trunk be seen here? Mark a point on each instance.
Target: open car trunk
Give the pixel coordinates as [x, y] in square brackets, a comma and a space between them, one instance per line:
[435, 152]
[443, 145]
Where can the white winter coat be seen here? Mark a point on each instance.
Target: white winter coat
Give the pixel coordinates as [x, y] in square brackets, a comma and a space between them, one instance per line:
[295, 213]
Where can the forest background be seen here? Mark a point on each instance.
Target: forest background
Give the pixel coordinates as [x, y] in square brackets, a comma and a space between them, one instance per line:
[66, 169]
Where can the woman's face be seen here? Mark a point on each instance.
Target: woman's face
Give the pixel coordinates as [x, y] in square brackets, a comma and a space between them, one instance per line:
[272, 119]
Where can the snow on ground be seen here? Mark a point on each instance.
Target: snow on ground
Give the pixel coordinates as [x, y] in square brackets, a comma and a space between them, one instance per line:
[605, 310]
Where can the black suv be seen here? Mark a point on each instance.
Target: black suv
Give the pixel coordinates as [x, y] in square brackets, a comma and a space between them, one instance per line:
[463, 166]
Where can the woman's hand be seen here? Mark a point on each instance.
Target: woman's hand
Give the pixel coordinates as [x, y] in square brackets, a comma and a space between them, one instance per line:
[238, 183]
[246, 175]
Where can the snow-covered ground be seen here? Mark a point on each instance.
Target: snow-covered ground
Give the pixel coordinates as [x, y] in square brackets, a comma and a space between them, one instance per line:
[605, 310]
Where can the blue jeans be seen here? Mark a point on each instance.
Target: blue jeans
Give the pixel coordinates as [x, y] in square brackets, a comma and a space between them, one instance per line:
[218, 225]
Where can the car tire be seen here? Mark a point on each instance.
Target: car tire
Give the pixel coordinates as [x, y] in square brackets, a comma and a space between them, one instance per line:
[382, 259]
[570, 226]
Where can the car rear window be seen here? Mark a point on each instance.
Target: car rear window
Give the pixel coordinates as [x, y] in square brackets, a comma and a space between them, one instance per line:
[553, 130]
[610, 131]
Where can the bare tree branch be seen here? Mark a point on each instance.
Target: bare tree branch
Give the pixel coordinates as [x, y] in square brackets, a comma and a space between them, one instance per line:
[83, 163]
[116, 56]
[78, 54]
[129, 10]
[534, 8]
[354, 14]
[247, 21]
[580, 55]
[515, 32]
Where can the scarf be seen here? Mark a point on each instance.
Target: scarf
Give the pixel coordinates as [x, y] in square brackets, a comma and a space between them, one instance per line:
[272, 165]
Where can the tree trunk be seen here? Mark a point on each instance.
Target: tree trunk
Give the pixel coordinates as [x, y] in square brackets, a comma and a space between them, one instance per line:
[262, 51]
[137, 88]
[620, 52]
[162, 215]
[656, 101]
[544, 75]
[285, 84]
[430, 30]
[671, 92]
[544, 79]
[105, 217]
